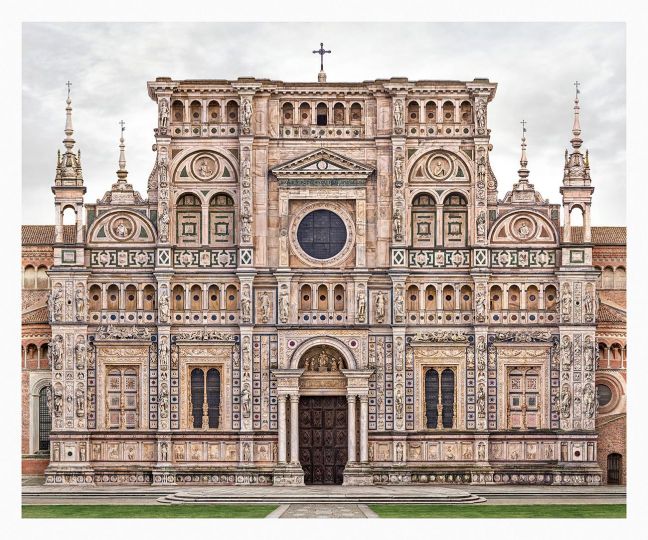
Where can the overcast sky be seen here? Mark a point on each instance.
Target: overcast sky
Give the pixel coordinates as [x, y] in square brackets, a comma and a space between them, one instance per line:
[534, 64]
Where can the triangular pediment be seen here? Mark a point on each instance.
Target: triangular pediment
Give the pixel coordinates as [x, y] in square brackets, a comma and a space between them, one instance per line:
[322, 163]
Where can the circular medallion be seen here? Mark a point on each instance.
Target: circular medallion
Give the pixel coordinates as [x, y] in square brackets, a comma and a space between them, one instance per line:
[439, 167]
[204, 167]
[523, 228]
[322, 165]
[122, 228]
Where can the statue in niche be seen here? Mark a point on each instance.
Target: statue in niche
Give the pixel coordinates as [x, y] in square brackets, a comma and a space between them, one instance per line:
[164, 353]
[55, 304]
[163, 223]
[283, 306]
[246, 226]
[588, 304]
[566, 302]
[480, 112]
[398, 225]
[246, 304]
[565, 401]
[80, 353]
[246, 115]
[548, 451]
[467, 453]
[80, 402]
[246, 451]
[265, 307]
[245, 172]
[55, 351]
[481, 451]
[362, 306]
[163, 400]
[398, 115]
[566, 353]
[481, 168]
[481, 353]
[481, 224]
[236, 357]
[80, 302]
[58, 402]
[480, 305]
[399, 304]
[589, 401]
[398, 171]
[589, 354]
[162, 168]
[380, 307]
[449, 454]
[399, 451]
[399, 403]
[82, 452]
[164, 451]
[481, 401]
[245, 400]
[163, 113]
[164, 305]
[48, 398]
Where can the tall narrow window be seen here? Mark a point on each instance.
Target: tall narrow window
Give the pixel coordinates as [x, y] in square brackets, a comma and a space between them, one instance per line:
[44, 420]
[440, 398]
[205, 398]
[121, 398]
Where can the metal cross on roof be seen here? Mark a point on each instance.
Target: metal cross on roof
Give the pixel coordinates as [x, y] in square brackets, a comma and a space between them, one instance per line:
[68, 84]
[321, 52]
[524, 123]
[577, 84]
[123, 126]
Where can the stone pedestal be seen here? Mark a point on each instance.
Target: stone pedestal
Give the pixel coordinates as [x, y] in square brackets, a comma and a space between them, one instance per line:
[288, 475]
[164, 475]
[357, 475]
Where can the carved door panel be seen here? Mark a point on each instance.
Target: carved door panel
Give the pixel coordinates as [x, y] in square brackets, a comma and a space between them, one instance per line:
[323, 438]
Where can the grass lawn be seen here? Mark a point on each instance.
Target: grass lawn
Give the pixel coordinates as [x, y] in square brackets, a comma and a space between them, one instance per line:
[500, 511]
[146, 511]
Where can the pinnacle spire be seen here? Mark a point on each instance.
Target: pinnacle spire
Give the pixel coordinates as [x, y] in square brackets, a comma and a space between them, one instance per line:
[68, 164]
[576, 129]
[69, 131]
[523, 172]
[122, 173]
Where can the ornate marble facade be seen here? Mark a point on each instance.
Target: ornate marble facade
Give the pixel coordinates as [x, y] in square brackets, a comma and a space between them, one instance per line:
[323, 239]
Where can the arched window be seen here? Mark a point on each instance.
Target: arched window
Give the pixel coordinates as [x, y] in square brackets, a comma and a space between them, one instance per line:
[412, 300]
[44, 354]
[113, 297]
[287, 113]
[551, 298]
[305, 114]
[431, 112]
[619, 278]
[213, 111]
[94, 298]
[29, 278]
[322, 298]
[339, 298]
[69, 216]
[205, 397]
[188, 226]
[42, 279]
[439, 398]
[338, 114]
[177, 111]
[449, 298]
[232, 109]
[222, 220]
[305, 297]
[196, 298]
[356, 114]
[178, 300]
[322, 114]
[131, 298]
[614, 468]
[448, 112]
[214, 298]
[431, 398]
[608, 278]
[423, 221]
[576, 216]
[413, 110]
[231, 298]
[466, 112]
[44, 419]
[532, 298]
[430, 298]
[466, 298]
[447, 397]
[496, 298]
[195, 109]
[149, 298]
[455, 216]
[514, 298]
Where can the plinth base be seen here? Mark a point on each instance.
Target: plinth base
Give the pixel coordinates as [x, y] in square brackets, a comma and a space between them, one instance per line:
[288, 475]
[357, 475]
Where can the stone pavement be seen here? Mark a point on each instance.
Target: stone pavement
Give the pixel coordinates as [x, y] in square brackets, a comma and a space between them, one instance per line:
[326, 511]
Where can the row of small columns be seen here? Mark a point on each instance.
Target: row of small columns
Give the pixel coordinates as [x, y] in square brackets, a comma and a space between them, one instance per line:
[294, 428]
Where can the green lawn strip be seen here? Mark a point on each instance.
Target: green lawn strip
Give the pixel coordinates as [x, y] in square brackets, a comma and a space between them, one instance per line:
[500, 511]
[147, 511]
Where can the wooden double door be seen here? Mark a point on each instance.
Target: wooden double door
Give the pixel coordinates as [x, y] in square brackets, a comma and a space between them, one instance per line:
[323, 438]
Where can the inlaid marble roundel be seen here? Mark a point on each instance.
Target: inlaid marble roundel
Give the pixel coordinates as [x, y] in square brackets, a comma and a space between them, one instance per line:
[523, 228]
[204, 167]
[122, 228]
[440, 167]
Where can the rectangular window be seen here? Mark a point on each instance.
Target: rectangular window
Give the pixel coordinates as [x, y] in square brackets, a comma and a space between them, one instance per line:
[440, 403]
[205, 391]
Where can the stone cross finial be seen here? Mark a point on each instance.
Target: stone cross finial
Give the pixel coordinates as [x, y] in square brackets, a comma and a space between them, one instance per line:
[321, 52]
[68, 84]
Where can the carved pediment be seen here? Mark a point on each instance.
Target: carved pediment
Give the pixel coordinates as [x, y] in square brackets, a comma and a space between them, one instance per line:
[322, 167]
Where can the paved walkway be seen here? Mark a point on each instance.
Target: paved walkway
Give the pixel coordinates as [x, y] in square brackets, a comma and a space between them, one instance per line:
[326, 511]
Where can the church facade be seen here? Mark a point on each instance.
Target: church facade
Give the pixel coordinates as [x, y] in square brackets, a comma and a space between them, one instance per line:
[323, 287]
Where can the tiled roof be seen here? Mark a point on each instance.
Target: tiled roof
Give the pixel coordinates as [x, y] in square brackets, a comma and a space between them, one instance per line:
[601, 235]
[39, 315]
[607, 313]
[44, 234]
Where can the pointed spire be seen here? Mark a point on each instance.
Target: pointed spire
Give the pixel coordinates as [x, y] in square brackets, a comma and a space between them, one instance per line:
[576, 129]
[523, 172]
[68, 168]
[69, 131]
[122, 173]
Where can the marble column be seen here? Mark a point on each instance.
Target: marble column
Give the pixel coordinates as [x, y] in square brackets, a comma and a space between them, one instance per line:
[294, 428]
[351, 418]
[364, 429]
[281, 400]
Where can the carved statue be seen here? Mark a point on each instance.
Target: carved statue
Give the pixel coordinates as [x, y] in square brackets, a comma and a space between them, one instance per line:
[246, 451]
[399, 451]
[283, 306]
[163, 223]
[265, 307]
[398, 115]
[55, 304]
[246, 115]
[163, 354]
[399, 403]
[481, 168]
[481, 401]
[246, 227]
[566, 302]
[481, 224]
[362, 306]
[588, 401]
[380, 307]
[80, 353]
[80, 301]
[589, 354]
[80, 402]
[164, 451]
[549, 451]
[245, 400]
[399, 304]
[470, 357]
[481, 451]
[164, 305]
[398, 225]
[398, 171]
[440, 170]
[246, 304]
[588, 305]
[246, 172]
[163, 400]
[481, 353]
[48, 398]
[480, 305]
[565, 401]
[58, 402]
[480, 112]
[55, 351]
[566, 353]
[163, 113]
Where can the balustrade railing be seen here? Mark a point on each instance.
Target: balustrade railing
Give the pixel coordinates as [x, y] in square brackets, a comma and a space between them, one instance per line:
[440, 317]
[523, 316]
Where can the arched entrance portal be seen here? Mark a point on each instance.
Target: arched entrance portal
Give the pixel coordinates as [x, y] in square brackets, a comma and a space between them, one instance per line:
[323, 416]
[318, 412]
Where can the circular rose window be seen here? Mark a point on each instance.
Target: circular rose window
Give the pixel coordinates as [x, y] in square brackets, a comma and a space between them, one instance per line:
[322, 234]
[604, 394]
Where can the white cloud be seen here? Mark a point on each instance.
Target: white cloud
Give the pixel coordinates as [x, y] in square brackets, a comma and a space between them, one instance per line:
[535, 65]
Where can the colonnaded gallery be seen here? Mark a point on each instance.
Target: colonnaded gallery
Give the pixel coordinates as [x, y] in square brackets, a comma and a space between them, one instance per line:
[322, 286]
